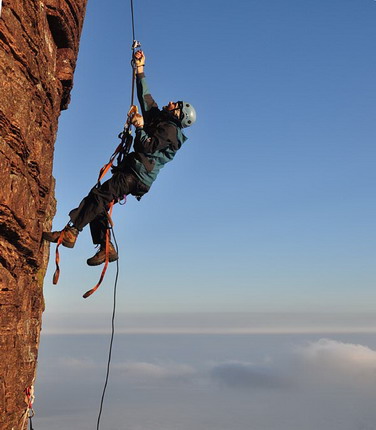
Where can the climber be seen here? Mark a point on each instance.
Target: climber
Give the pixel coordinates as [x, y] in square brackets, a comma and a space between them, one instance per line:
[158, 137]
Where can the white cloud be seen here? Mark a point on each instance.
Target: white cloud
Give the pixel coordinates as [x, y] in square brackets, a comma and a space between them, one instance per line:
[76, 363]
[131, 369]
[316, 361]
[152, 371]
[338, 358]
[331, 351]
[326, 362]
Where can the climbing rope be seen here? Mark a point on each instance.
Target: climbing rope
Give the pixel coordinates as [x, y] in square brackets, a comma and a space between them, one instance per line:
[125, 136]
[112, 335]
[136, 44]
[132, 17]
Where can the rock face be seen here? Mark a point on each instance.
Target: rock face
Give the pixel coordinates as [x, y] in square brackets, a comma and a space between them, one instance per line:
[38, 50]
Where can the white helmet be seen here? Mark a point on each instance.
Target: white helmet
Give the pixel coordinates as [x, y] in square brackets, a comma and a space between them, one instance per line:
[188, 114]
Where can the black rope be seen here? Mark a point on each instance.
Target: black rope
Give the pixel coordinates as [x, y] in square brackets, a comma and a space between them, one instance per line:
[135, 44]
[112, 333]
[133, 81]
[132, 14]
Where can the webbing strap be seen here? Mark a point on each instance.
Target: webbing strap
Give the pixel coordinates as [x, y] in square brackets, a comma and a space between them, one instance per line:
[107, 253]
[122, 145]
[55, 278]
[108, 166]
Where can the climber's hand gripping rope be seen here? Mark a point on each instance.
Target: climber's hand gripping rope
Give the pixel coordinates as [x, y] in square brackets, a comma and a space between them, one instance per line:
[139, 59]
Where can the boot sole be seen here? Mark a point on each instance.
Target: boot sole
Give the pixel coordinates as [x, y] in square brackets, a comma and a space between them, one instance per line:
[64, 243]
[111, 260]
[68, 244]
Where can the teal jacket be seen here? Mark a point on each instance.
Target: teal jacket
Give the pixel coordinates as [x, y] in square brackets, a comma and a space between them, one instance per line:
[158, 141]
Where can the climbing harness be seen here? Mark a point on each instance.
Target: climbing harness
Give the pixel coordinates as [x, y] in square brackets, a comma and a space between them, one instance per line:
[29, 392]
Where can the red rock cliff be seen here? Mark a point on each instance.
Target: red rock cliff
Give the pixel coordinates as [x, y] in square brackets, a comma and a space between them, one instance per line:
[38, 50]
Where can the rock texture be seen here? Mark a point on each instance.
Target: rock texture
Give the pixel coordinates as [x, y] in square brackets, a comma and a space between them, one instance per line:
[38, 50]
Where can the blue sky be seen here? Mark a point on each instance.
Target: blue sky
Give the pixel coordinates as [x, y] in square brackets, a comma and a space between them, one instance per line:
[246, 290]
[269, 205]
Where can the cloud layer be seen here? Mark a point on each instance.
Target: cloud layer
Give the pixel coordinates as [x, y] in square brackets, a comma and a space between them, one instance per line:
[325, 383]
[324, 359]
[338, 356]
[152, 371]
[210, 323]
[313, 361]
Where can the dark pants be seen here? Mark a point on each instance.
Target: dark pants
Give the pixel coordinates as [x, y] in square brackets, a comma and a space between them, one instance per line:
[93, 208]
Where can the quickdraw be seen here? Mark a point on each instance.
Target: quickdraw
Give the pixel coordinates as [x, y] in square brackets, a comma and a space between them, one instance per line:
[29, 392]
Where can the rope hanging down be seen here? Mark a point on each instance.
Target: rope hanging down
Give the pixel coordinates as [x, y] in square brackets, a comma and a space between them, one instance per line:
[112, 337]
[127, 139]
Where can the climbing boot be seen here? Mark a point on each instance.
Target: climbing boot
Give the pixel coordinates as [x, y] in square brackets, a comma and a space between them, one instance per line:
[69, 237]
[100, 256]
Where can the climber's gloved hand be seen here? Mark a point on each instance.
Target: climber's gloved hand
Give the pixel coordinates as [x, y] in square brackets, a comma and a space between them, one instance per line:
[137, 120]
[139, 58]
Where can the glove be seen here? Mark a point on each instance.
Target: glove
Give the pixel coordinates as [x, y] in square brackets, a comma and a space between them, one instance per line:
[137, 120]
[139, 59]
